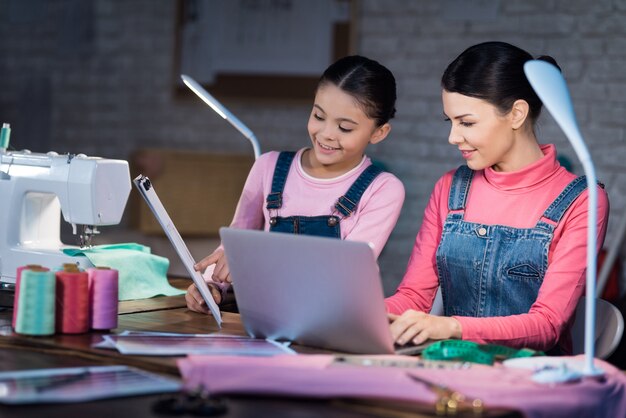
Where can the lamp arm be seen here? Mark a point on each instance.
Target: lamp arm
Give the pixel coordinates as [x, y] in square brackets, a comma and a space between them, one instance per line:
[550, 86]
[581, 150]
[590, 301]
[223, 112]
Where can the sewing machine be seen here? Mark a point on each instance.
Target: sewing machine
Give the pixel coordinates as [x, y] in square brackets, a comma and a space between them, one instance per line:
[35, 189]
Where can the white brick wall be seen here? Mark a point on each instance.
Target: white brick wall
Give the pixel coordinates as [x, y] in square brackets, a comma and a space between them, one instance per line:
[113, 92]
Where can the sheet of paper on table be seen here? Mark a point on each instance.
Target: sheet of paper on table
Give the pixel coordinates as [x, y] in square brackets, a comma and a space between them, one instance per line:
[80, 384]
[170, 344]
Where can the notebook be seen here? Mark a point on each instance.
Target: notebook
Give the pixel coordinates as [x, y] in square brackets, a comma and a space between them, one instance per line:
[313, 291]
[146, 189]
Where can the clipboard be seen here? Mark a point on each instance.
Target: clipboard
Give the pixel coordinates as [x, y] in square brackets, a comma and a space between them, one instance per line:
[146, 189]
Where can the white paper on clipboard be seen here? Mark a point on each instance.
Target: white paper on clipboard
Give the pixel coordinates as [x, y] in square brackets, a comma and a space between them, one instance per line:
[146, 189]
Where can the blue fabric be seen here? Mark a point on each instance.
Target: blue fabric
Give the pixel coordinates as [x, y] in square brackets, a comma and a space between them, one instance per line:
[141, 274]
[494, 270]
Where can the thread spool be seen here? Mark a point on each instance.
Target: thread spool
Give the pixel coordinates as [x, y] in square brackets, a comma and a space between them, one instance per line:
[36, 308]
[18, 279]
[103, 297]
[72, 300]
[5, 134]
[69, 267]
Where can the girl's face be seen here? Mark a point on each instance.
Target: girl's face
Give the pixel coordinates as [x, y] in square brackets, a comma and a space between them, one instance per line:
[340, 131]
[482, 134]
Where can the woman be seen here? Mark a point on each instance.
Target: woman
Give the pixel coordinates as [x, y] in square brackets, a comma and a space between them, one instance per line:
[504, 236]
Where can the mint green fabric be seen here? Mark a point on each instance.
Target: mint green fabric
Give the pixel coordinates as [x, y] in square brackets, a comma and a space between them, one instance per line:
[142, 275]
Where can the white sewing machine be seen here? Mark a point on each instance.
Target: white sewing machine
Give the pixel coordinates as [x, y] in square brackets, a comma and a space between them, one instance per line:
[36, 188]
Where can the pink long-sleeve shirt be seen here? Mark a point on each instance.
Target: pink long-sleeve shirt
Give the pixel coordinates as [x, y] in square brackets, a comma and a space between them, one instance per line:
[516, 199]
[304, 195]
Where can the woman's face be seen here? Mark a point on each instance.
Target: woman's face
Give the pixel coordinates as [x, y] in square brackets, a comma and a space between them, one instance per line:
[340, 130]
[482, 134]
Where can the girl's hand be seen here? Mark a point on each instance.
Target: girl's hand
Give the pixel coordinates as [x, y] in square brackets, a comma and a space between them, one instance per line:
[418, 327]
[221, 273]
[195, 301]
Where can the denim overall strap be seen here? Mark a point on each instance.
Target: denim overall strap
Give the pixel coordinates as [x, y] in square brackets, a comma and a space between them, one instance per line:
[275, 198]
[564, 200]
[347, 203]
[326, 225]
[460, 188]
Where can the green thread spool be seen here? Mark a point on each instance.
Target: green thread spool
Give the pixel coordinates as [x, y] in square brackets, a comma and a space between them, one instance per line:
[35, 315]
[5, 134]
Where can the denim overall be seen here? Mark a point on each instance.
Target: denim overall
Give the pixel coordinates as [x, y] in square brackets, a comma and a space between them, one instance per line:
[494, 270]
[324, 225]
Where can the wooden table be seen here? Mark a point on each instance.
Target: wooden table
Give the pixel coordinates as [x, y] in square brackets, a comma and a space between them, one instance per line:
[165, 314]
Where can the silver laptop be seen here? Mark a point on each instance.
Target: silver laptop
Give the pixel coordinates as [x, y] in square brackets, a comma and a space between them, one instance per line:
[318, 292]
[146, 189]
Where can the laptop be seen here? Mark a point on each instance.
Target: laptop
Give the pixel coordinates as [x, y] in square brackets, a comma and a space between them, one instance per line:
[146, 189]
[313, 291]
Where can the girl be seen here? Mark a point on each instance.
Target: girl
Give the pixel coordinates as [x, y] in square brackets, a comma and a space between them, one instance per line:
[330, 189]
[504, 236]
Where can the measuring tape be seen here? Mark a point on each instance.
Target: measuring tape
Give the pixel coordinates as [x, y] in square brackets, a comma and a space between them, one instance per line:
[458, 350]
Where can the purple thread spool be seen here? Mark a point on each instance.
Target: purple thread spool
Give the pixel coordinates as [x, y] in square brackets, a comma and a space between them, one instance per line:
[103, 297]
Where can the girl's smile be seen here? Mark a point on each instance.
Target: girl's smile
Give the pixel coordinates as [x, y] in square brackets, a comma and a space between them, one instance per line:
[326, 148]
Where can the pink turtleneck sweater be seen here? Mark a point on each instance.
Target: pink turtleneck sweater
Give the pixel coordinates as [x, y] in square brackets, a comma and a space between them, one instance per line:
[516, 199]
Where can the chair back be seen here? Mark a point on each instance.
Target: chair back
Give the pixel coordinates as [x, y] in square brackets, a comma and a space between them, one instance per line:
[609, 328]
[437, 308]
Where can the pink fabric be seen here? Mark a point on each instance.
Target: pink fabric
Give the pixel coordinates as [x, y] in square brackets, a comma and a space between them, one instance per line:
[314, 376]
[372, 222]
[516, 199]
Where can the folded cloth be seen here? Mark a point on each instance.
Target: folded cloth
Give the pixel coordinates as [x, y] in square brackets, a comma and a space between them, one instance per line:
[497, 386]
[141, 274]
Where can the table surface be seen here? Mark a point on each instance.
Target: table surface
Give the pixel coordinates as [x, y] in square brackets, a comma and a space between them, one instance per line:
[167, 314]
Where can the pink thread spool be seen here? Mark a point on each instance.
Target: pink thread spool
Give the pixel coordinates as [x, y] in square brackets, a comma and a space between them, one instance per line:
[72, 300]
[103, 297]
[18, 280]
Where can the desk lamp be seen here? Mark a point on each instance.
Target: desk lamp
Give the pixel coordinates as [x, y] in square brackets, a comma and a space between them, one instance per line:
[550, 86]
[222, 111]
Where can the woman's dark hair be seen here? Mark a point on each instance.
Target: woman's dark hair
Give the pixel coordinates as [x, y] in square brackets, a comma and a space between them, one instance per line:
[369, 82]
[494, 72]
